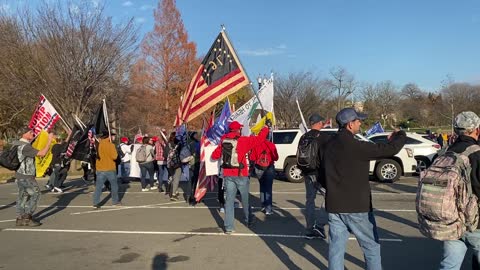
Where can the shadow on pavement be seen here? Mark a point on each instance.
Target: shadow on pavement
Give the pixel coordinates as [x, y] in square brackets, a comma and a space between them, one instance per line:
[63, 200]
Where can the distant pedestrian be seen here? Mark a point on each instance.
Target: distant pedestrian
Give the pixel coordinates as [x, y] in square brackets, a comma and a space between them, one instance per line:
[161, 159]
[348, 195]
[28, 190]
[126, 149]
[106, 169]
[146, 163]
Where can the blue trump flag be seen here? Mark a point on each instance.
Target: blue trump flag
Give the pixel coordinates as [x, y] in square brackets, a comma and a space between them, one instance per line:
[377, 128]
[220, 127]
[181, 134]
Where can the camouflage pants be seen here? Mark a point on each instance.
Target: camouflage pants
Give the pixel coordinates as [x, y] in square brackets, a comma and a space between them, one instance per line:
[28, 196]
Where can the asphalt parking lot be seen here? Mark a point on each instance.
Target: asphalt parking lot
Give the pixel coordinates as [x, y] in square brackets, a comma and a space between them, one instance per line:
[151, 232]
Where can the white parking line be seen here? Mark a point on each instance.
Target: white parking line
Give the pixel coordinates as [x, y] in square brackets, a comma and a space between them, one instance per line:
[7, 220]
[254, 193]
[180, 233]
[163, 206]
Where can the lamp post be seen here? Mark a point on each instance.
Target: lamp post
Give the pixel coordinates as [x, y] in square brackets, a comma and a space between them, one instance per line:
[339, 93]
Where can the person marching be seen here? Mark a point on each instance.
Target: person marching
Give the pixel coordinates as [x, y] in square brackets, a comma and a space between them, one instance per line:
[233, 150]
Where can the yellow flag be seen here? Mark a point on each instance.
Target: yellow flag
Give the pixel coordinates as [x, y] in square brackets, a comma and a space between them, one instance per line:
[260, 124]
[42, 163]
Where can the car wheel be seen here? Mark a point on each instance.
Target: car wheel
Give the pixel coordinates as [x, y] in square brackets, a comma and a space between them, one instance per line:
[422, 163]
[388, 170]
[293, 173]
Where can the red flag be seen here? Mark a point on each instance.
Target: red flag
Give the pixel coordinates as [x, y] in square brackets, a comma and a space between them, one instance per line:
[44, 117]
[219, 75]
[203, 180]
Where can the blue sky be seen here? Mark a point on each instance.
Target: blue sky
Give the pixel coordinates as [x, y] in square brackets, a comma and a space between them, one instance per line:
[375, 40]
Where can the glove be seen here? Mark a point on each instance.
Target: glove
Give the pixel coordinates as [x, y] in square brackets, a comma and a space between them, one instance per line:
[268, 123]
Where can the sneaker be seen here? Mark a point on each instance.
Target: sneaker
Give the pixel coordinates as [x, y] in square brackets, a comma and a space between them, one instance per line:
[222, 210]
[119, 204]
[145, 189]
[58, 190]
[96, 206]
[173, 199]
[48, 187]
[229, 232]
[29, 221]
[269, 212]
[153, 188]
[319, 231]
[20, 221]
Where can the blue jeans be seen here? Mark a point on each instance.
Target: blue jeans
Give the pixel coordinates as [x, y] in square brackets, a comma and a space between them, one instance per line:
[102, 177]
[310, 196]
[454, 250]
[363, 226]
[125, 169]
[265, 179]
[144, 168]
[28, 196]
[232, 184]
[160, 173]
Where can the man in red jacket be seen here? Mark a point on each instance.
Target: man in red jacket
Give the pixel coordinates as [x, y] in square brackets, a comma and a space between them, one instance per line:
[235, 169]
[264, 156]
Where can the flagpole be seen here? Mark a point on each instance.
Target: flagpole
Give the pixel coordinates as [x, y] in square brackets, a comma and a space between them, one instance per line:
[224, 32]
[301, 114]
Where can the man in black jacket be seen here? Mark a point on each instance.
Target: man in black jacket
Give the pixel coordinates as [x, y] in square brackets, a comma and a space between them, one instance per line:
[348, 197]
[314, 229]
[467, 128]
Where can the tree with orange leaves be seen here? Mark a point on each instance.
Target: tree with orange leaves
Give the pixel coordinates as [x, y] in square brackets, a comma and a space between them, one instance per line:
[163, 71]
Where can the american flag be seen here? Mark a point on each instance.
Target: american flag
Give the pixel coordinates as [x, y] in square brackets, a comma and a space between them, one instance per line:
[204, 181]
[219, 75]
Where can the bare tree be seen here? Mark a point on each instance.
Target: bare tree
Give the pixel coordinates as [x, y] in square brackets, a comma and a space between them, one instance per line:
[75, 57]
[304, 86]
[342, 84]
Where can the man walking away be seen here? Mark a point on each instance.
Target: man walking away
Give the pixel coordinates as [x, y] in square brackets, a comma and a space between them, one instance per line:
[466, 126]
[59, 170]
[106, 170]
[309, 155]
[233, 150]
[348, 194]
[161, 159]
[28, 190]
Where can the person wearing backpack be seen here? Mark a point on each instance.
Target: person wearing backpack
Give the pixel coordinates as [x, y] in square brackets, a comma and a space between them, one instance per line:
[28, 189]
[467, 127]
[145, 156]
[233, 150]
[309, 152]
[345, 176]
[160, 159]
[263, 156]
[174, 166]
[126, 155]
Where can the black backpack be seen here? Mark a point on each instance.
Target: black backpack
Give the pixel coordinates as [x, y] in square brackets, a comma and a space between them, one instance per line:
[9, 158]
[230, 155]
[307, 152]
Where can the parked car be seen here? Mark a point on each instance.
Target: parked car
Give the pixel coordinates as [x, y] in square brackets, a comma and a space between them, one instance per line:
[385, 170]
[424, 150]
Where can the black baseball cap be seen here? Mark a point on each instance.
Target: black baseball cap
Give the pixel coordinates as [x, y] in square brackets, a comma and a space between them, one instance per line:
[315, 118]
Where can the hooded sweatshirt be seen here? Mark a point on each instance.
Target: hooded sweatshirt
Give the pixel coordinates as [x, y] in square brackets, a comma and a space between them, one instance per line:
[244, 145]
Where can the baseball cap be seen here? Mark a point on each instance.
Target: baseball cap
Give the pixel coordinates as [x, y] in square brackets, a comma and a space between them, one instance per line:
[155, 138]
[348, 115]
[235, 125]
[315, 118]
[124, 139]
[25, 130]
[467, 120]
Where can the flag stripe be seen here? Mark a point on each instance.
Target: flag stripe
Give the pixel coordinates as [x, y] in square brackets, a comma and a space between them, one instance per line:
[216, 96]
[208, 95]
[186, 102]
[227, 77]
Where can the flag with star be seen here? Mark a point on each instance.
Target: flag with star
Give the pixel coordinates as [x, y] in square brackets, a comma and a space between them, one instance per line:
[220, 74]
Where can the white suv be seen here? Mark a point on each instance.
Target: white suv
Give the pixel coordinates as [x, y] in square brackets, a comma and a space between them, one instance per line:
[385, 170]
[424, 150]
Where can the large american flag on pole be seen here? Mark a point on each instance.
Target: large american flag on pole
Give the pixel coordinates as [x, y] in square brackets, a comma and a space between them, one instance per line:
[204, 181]
[219, 75]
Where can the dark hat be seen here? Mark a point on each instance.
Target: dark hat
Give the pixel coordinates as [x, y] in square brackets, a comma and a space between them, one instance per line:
[25, 130]
[315, 118]
[348, 115]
